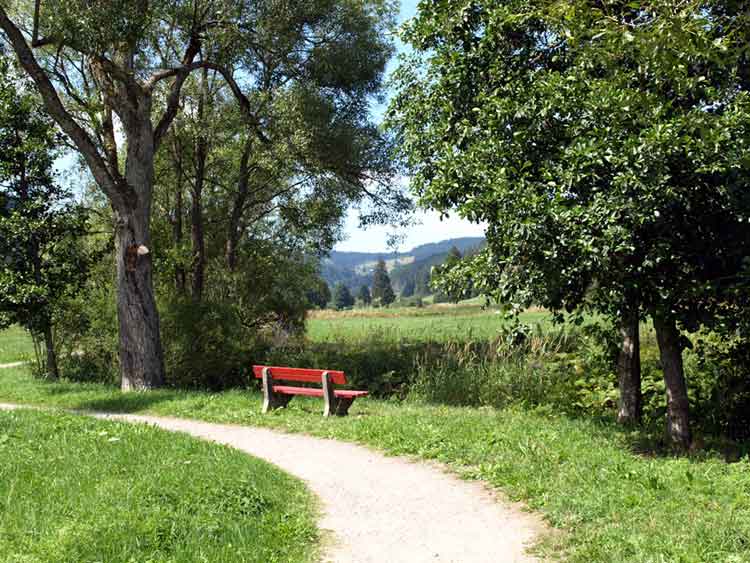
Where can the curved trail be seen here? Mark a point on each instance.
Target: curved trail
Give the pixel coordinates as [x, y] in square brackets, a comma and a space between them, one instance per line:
[381, 509]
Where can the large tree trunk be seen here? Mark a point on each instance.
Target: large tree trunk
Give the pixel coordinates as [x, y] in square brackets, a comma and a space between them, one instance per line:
[141, 356]
[629, 369]
[670, 349]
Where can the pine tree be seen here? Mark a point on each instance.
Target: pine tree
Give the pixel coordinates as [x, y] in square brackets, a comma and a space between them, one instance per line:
[381, 284]
[364, 295]
[342, 297]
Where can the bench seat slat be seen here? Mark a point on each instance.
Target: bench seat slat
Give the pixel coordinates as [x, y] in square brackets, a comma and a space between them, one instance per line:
[312, 392]
[287, 390]
[300, 374]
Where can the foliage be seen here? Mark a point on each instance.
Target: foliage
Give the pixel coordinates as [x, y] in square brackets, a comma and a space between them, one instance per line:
[410, 286]
[604, 147]
[41, 228]
[206, 344]
[95, 503]
[382, 292]
[277, 128]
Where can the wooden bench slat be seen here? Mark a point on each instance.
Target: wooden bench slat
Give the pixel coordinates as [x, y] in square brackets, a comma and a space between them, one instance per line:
[300, 374]
[313, 392]
[308, 391]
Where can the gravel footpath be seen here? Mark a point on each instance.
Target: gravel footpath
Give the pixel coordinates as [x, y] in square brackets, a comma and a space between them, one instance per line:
[381, 509]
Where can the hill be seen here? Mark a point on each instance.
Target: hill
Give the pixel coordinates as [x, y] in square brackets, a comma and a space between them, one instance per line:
[355, 268]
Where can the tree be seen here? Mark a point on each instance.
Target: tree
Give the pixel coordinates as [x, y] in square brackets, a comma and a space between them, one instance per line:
[381, 284]
[320, 294]
[604, 147]
[120, 67]
[409, 287]
[41, 255]
[452, 294]
[342, 297]
[364, 295]
[388, 297]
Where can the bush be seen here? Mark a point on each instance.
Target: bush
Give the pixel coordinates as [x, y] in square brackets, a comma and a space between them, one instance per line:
[86, 332]
[205, 345]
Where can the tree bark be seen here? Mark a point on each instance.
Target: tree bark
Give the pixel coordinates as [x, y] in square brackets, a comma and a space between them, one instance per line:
[678, 405]
[238, 208]
[196, 210]
[629, 369]
[141, 356]
[49, 343]
[197, 234]
[180, 278]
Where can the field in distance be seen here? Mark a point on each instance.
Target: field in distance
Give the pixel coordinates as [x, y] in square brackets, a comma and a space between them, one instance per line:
[441, 322]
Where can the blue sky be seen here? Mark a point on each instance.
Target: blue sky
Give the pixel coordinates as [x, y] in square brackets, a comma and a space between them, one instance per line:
[430, 227]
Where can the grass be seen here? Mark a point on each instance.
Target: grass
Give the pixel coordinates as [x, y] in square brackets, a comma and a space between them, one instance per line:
[75, 489]
[585, 475]
[15, 345]
[437, 323]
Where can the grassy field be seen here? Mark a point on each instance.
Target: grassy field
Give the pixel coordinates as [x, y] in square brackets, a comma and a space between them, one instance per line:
[588, 477]
[15, 345]
[437, 323]
[75, 489]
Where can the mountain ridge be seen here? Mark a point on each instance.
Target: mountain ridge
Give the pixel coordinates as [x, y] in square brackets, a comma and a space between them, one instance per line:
[354, 269]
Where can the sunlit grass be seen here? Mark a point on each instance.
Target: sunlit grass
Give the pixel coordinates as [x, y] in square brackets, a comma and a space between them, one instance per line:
[15, 345]
[75, 489]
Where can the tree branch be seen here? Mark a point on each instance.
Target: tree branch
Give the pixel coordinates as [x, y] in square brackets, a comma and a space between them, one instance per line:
[173, 100]
[118, 193]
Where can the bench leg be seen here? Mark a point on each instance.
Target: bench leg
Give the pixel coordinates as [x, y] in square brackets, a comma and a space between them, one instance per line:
[342, 406]
[272, 400]
[333, 405]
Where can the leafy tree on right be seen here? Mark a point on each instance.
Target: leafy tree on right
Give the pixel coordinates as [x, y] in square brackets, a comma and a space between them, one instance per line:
[605, 145]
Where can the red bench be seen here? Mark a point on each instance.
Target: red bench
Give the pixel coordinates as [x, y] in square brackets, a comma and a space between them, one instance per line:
[337, 401]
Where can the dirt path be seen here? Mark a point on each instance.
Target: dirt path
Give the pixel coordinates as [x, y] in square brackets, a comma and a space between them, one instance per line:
[12, 365]
[382, 509]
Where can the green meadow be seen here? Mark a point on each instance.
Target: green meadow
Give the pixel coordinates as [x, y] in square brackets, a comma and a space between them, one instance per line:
[438, 323]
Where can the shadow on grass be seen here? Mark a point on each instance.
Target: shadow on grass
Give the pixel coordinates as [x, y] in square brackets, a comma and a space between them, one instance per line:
[128, 403]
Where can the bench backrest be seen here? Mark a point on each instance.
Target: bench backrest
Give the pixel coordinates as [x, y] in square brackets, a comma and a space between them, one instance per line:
[300, 374]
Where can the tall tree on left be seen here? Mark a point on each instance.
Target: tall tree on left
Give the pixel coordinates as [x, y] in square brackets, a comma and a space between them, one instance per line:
[41, 256]
[90, 63]
[95, 66]
[113, 71]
